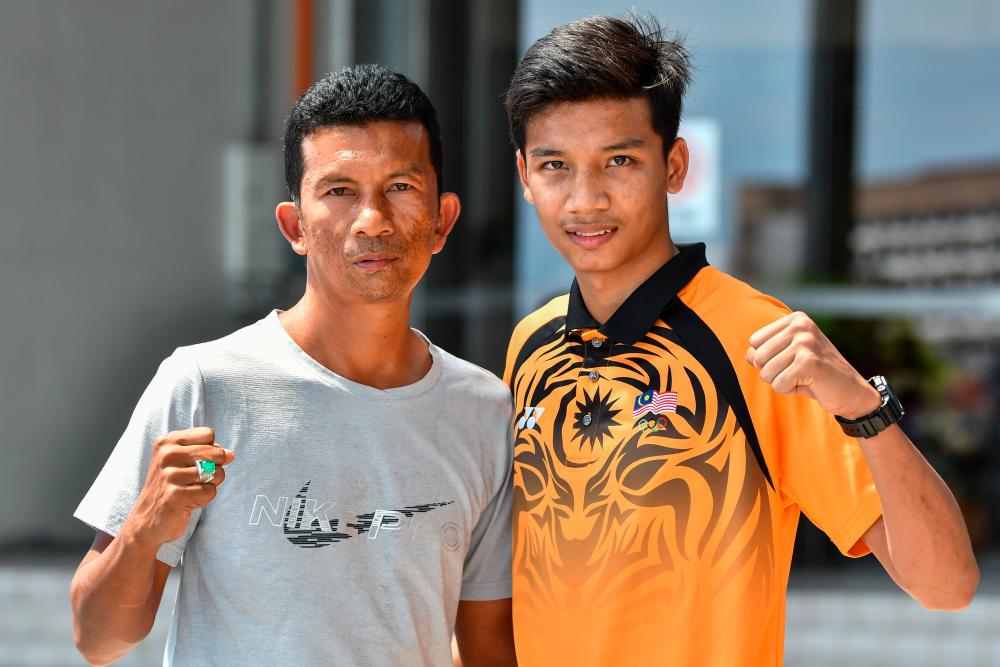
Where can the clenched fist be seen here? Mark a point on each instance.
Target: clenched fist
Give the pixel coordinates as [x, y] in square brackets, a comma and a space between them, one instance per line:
[795, 357]
[172, 490]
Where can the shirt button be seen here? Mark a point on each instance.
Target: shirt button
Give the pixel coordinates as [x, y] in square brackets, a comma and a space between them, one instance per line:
[594, 375]
[587, 419]
[597, 342]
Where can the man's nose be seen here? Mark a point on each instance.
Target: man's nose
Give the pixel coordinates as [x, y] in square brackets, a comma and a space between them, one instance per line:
[588, 194]
[373, 218]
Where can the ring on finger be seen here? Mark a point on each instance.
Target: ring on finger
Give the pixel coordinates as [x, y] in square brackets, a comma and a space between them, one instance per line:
[206, 471]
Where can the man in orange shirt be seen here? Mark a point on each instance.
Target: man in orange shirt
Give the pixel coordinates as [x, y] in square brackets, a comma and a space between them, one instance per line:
[672, 422]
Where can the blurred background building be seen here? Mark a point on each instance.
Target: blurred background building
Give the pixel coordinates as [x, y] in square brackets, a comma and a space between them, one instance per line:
[846, 157]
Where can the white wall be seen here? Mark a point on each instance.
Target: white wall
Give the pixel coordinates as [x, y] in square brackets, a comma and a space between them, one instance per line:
[113, 117]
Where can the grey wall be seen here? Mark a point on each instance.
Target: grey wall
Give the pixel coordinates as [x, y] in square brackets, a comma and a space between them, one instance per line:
[113, 117]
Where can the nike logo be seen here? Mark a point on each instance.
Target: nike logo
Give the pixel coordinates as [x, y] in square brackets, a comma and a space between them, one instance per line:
[307, 524]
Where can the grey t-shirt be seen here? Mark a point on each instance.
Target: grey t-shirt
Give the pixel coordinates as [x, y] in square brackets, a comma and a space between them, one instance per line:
[353, 519]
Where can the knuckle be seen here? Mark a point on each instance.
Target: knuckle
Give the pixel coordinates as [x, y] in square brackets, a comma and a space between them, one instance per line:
[172, 494]
[160, 461]
[184, 437]
[803, 338]
[195, 436]
[203, 432]
[169, 454]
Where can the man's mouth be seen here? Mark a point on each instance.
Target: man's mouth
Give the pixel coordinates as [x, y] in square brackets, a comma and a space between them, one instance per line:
[590, 238]
[370, 263]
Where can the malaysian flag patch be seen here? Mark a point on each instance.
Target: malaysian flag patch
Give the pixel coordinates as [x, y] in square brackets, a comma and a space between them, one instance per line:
[655, 402]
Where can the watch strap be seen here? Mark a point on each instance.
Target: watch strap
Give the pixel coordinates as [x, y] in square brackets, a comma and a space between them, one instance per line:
[884, 416]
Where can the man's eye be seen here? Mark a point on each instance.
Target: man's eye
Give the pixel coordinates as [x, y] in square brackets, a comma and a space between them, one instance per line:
[620, 160]
[338, 192]
[553, 165]
[400, 187]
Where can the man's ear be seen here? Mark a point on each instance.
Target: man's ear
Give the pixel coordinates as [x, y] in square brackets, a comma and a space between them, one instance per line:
[677, 166]
[449, 207]
[522, 172]
[290, 224]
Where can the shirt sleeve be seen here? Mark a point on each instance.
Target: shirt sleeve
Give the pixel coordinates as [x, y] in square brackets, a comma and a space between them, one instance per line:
[487, 571]
[174, 400]
[824, 472]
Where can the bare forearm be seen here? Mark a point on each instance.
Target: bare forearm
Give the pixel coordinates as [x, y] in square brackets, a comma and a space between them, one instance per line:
[114, 599]
[118, 586]
[926, 535]
[484, 633]
[925, 545]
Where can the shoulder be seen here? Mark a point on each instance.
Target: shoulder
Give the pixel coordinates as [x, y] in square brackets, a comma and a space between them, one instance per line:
[534, 330]
[472, 382]
[241, 351]
[549, 318]
[729, 306]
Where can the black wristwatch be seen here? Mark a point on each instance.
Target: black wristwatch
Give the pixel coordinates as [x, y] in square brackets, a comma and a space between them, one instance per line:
[884, 416]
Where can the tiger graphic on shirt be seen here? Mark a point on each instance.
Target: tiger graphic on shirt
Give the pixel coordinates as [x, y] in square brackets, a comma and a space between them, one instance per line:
[625, 513]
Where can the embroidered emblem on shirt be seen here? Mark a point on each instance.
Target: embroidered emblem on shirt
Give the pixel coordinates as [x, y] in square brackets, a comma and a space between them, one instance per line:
[655, 402]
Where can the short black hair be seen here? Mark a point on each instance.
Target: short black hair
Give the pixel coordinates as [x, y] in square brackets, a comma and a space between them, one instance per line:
[602, 57]
[357, 95]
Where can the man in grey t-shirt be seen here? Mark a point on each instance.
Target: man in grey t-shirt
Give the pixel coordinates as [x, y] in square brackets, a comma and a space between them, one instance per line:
[366, 511]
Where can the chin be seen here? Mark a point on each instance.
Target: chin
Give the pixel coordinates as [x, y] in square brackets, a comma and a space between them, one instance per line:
[383, 296]
[384, 291]
[377, 293]
[591, 262]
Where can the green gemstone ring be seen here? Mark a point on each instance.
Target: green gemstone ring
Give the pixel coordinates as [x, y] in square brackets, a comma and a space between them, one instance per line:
[206, 471]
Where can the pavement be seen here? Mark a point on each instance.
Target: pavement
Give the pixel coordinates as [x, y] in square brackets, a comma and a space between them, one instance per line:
[852, 615]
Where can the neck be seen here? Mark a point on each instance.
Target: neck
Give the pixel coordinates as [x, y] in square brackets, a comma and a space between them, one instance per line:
[367, 343]
[604, 292]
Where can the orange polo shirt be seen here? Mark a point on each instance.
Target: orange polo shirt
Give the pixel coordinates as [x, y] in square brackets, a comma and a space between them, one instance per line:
[658, 481]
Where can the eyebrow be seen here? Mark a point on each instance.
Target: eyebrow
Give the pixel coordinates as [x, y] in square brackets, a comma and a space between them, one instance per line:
[544, 151]
[624, 144]
[412, 170]
[332, 178]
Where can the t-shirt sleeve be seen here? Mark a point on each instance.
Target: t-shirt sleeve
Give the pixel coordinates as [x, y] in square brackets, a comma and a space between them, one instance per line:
[174, 400]
[487, 571]
[825, 473]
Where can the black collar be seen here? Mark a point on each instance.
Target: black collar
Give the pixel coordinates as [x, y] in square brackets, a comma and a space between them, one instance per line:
[636, 316]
